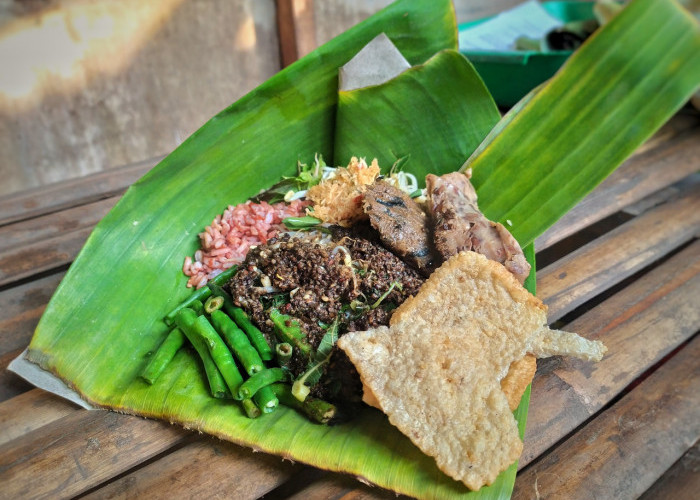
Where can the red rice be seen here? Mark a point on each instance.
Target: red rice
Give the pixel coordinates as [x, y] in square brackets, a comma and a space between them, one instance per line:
[227, 240]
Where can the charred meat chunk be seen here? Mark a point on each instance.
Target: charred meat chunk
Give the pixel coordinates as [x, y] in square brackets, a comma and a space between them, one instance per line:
[400, 222]
[459, 225]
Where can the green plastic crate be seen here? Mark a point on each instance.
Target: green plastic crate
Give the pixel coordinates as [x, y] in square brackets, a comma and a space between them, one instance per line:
[511, 75]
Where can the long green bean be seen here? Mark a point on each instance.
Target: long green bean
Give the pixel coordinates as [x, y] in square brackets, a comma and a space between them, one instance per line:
[238, 341]
[288, 330]
[241, 318]
[306, 222]
[248, 356]
[250, 408]
[213, 303]
[284, 352]
[185, 320]
[201, 293]
[317, 410]
[197, 306]
[259, 380]
[220, 354]
[163, 355]
[266, 399]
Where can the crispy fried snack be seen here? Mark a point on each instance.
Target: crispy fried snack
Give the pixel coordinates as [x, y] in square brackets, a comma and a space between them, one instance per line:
[437, 370]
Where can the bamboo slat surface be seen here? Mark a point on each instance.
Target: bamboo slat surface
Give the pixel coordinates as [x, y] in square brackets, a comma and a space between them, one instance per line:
[623, 267]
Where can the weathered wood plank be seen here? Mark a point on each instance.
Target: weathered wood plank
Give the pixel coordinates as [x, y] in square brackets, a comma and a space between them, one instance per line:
[20, 310]
[30, 411]
[41, 256]
[74, 192]
[342, 486]
[18, 235]
[624, 450]
[287, 34]
[80, 451]
[682, 480]
[677, 156]
[10, 384]
[640, 325]
[604, 262]
[662, 195]
[207, 468]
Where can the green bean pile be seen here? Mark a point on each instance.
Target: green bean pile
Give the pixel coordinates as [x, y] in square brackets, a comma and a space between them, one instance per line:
[237, 359]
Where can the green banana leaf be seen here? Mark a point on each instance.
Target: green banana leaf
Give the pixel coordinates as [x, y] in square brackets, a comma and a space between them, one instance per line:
[105, 316]
[388, 121]
[568, 135]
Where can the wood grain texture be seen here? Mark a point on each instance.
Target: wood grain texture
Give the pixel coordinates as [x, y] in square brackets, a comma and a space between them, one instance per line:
[41, 256]
[131, 84]
[21, 234]
[43, 200]
[79, 451]
[682, 480]
[668, 157]
[206, 468]
[640, 325]
[661, 196]
[286, 27]
[584, 273]
[20, 310]
[342, 487]
[30, 411]
[11, 385]
[623, 451]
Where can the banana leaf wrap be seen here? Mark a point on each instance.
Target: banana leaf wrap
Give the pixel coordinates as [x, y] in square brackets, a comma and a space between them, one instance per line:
[106, 314]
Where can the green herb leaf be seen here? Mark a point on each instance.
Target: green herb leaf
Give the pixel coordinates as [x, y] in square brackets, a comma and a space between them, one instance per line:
[308, 175]
[322, 355]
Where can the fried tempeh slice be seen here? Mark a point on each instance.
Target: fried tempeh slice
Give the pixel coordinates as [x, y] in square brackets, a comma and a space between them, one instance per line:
[436, 371]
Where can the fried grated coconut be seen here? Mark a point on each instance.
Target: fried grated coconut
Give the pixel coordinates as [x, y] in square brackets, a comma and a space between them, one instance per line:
[338, 200]
[437, 370]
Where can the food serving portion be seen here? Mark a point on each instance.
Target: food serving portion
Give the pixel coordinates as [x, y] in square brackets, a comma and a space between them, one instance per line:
[104, 325]
[414, 305]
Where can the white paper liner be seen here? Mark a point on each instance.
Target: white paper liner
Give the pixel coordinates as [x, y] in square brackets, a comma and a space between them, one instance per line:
[47, 381]
[377, 62]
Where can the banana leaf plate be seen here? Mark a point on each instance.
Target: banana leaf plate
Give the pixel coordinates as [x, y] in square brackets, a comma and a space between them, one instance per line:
[530, 167]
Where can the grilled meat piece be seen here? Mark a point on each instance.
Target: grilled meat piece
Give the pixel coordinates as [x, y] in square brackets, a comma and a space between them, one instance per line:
[459, 225]
[402, 225]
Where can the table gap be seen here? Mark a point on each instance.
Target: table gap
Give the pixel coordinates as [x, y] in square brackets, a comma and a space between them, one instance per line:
[61, 268]
[612, 402]
[606, 294]
[580, 238]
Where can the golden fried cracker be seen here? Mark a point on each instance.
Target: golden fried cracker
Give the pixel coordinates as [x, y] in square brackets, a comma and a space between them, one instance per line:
[436, 371]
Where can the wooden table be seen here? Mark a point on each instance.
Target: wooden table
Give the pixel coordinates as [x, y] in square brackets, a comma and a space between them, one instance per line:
[623, 266]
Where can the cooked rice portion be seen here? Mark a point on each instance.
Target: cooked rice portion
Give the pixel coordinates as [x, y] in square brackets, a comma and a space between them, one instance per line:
[227, 240]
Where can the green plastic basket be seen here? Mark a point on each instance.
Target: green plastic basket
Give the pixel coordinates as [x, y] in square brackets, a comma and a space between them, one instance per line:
[511, 75]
